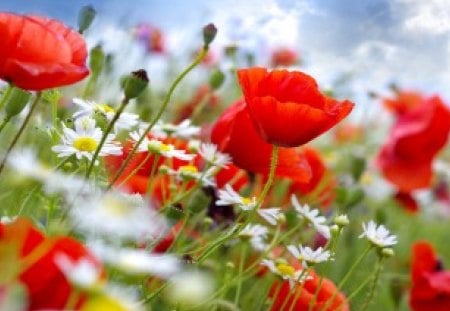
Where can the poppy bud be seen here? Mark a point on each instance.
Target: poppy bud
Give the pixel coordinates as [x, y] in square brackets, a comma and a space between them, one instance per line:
[135, 83]
[209, 33]
[216, 79]
[16, 102]
[97, 60]
[86, 17]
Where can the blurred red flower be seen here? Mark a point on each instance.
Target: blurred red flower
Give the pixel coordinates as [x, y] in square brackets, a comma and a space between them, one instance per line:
[403, 101]
[407, 201]
[232, 175]
[287, 108]
[39, 53]
[430, 283]
[284, 57]
[415, 139]
[151, 36]
[326, 292]
[235, 134]
[46, 284]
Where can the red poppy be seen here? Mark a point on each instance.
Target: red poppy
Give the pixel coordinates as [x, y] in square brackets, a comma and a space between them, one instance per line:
[403, 101]
[284, 57]
[235, 134]
[204, 95]
[287, 108]
[151, 36]
[232, 175]
[306, 294]
[430, 283]
[321, 179]
[407, 201]
[46, 284]
[415, 139]
[348, 133]
[39, 53]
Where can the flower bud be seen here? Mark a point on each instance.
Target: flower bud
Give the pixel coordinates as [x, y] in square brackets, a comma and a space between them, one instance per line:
[341, 220]
[387, 252]
[86, 17]
[97, 59]
[335, 230]
[16, 102]
[135, 83]
[216, 79]
[209, 33]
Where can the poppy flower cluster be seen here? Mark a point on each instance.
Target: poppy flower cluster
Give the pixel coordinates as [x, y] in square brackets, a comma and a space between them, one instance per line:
[430, 282]
[415, 139]
[39, 53]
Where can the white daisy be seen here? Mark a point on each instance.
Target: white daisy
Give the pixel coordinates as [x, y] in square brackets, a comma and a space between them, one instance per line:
[158, 147]
[83, 273]
[117, 215]
[228, 196]
[272, 215]
[126, 120]
[308, 256]
[191, 172]
[84, 140]
[312, 216]
[185, 130]
[137, 261]
[379, 236]
[286, 271]
[256, 235]
[211, 155]
[7, 219]
[190, 288]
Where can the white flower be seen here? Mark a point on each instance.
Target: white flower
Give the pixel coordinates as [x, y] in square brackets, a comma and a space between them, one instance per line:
[286, 271]
[83, 273]
[378, 235]
[228, 196]
[256, 234]
[158, 147]
[190, 288]
[126, 120]
[137, 261]
[271, 215]
[84, 140]
[211, 155]
[191, 172]
[7, 220]
[117, 216]
[183, 130]
[309, 256]
[312, 216]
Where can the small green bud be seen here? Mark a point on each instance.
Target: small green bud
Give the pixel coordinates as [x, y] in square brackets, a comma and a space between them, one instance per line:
[51, 96]
[357, 166]
[96, 60]
[135, 83]
[164, 169]
[230, 265]
[216, 79]
[335, 230]
[86, 17]
[18, 99]
[387, 252]
[208, 221]
[341, 220]
[209, 33]
[231, 50]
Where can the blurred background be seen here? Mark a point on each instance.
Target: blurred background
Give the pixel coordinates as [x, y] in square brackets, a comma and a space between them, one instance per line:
[353, 47]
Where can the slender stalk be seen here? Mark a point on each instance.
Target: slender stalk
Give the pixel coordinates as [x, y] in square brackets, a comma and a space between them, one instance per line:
[163, 107]
[4, 123]
[6, 95]
[241, 268]
[133, 172]
[275, 294]
[22, 128]
[110, 127]
[376, 277]
[152, 174]
[272, 169]
[316, 294]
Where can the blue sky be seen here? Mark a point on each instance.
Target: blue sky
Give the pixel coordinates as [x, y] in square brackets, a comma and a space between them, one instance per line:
[372, 41]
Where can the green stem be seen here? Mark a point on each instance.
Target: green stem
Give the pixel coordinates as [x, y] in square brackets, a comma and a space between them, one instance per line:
[163, 107]
[272, 169]
[5, 96]
[152, 174]
[316, 294]
[133, 172]
[55, 126]
[4, 123]
[22, 128]
[346, 276]
[376, 277]
[110, 127]
[241, 268]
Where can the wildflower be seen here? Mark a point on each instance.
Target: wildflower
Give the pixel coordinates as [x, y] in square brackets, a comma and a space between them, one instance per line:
[40, 53]
[84, 140]
[379, 236]
[312, 217]
[307, 256]
[284, 57]
[301, 112]
[113, 297]
[191, 172]
[256, 234]
[184, 130]
[82, 273]
[228, 196]
[117, 216]
[271, 215]
[285, 271]
[212, 156]
[126, 120]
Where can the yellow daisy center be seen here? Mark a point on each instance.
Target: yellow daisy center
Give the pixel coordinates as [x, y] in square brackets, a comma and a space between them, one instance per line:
[85, 144]
[104, 107]
[164, 148]
[285, 269]
[246, 201]
[188, 169]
